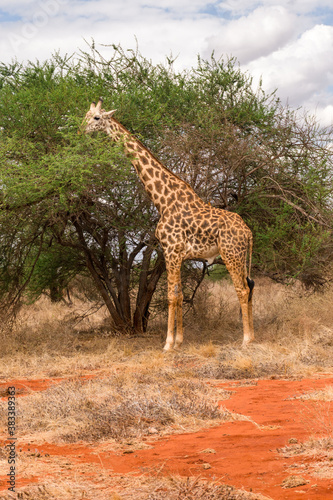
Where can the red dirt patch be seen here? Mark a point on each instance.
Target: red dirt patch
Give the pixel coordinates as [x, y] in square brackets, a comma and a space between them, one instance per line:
[239, 453]
[27, 386]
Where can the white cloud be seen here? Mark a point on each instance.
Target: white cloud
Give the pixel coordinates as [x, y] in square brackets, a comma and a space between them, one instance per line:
[241, 7]
[324, 115]
[159, 31]
[300, 69]
[281, 40]
[249, 37]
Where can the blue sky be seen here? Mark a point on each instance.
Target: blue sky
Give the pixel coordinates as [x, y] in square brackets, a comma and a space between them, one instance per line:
[289, 43]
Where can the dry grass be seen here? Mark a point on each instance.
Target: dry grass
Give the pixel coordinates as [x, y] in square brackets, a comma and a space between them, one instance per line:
[141, 392]
[294, 337]
[48, 492]
[317, 418]
[317, 415]
[325, 394]
[137, 488]
[129, 404]
[318, 452]
[294, 333]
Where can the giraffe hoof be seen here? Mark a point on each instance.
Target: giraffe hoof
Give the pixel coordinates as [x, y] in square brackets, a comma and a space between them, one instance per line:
[246, 343]
[177, 347]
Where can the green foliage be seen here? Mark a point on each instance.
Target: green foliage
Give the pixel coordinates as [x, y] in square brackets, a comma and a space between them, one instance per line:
[72, 202]
[54, 271]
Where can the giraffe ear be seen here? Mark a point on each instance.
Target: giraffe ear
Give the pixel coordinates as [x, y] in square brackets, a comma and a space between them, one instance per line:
[108, 114]
[92, 106]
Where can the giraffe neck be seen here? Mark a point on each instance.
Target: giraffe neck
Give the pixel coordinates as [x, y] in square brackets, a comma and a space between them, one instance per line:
[164, 188]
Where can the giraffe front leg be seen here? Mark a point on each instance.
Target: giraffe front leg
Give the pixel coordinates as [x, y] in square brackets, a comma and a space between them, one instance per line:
[171, 324]
[175, 300]
[179, 316]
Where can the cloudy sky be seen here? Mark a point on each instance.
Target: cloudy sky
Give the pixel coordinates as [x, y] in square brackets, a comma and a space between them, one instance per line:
[289, 43]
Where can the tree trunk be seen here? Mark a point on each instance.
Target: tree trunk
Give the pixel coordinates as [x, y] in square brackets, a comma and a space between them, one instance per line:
[115, 290]
[117, 319]
[147, 286]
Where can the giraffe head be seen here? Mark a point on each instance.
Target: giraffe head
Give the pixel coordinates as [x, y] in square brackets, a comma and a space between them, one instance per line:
[97, 119]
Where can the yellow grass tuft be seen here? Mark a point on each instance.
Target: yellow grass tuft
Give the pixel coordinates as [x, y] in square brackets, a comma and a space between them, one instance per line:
[209, 350]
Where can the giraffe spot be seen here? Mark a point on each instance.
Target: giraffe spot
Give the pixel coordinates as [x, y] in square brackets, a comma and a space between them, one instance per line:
[179, 247]
[166, 191]
[162, 200]
[130, 145]
[172, 197]
[150, 171]
[181, 197]
[190, 196]
[173, 186]
[158, 186]
[164, 177]
[144, 160]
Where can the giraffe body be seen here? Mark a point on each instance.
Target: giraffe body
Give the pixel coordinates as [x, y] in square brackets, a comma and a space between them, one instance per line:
[188, 227]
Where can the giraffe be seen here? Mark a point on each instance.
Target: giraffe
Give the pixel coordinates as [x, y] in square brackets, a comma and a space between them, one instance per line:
[188, 227]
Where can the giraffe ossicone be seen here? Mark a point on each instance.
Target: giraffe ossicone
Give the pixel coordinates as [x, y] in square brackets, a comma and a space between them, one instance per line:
[188, 227]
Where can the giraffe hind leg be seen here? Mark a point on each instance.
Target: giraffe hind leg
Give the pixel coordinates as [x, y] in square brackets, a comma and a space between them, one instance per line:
[250, 284]
[244, 289]
[251, 287]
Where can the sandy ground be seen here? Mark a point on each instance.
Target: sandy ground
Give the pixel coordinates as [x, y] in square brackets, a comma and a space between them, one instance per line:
[244, 453]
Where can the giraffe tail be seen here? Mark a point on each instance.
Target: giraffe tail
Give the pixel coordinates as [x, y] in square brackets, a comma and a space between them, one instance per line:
[248, 279]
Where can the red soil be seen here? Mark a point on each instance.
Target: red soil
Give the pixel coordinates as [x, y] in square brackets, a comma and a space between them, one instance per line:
[24, 386]
[245, 454]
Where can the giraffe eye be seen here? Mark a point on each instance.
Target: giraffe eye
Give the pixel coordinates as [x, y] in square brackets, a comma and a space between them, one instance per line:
[97, 118]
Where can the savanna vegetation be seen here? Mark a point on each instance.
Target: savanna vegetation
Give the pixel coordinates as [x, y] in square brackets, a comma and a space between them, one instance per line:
[82, 273]
[82, 385]
[73, 209]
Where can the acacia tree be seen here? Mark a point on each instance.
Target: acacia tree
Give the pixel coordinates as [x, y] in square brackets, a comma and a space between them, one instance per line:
[79, 208]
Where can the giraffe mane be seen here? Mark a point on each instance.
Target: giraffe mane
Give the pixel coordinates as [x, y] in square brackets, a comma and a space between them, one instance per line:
[132, 136]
